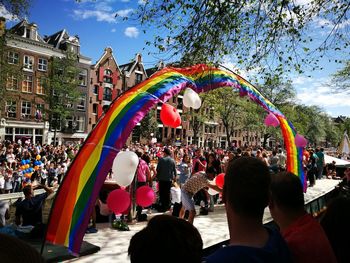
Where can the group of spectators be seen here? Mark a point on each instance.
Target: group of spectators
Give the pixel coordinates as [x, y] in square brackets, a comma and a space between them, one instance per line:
[249, 188]
[54, 161]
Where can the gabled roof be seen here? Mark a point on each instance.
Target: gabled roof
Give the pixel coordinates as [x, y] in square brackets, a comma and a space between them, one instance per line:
[107, 49]
[18, 29]
[151, 71]
[55, 39]
[129, 67]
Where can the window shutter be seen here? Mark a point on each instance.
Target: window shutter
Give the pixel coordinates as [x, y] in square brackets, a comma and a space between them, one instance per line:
[100, 93]
[99, 111]
[114, 78]
[100, 74]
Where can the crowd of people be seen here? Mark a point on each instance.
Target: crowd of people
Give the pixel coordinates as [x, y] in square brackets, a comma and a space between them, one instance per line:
[54, 162]
[183, 178]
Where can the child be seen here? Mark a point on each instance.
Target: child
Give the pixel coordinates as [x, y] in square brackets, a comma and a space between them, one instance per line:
[176, 198]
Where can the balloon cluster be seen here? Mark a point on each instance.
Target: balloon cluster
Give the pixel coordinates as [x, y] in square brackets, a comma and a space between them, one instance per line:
[27, 171]
[124, 168]
[37, 162]
[170, 116]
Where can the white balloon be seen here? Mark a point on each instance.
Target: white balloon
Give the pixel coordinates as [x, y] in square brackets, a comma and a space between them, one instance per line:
[192, 99]
[124, 167]
[212, 191]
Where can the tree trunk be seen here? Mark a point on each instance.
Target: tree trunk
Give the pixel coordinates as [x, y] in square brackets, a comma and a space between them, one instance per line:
[266, 136]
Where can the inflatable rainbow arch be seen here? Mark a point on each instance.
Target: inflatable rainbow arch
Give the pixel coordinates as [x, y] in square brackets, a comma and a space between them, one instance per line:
[78, 192]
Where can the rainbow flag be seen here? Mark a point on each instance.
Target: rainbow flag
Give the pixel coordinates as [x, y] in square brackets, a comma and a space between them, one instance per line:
[78, 192]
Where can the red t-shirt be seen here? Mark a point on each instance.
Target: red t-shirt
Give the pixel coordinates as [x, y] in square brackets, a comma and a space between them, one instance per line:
[308, 242]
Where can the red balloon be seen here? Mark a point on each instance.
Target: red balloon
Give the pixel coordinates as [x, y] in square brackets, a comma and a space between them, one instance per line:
[145, 196]
[118, 201]
[170, 116]
[219, 180]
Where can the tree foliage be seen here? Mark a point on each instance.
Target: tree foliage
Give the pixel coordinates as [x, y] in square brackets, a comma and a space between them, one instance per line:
[149, 124]
[341, 79]
[17, 8]
[61, 91]
[267, 35]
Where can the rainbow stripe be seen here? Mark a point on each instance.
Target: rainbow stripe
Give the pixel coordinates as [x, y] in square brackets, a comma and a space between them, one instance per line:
[78, 192]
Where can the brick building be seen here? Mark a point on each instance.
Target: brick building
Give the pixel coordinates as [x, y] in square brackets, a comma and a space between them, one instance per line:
[23, 116]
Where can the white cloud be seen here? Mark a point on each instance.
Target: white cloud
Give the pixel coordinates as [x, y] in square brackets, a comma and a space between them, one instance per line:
[99, 15]
[6, 14]
[124, 12]
[318, 92]
[131, 32]
[302, 2]
[113, 30]
[142, 2]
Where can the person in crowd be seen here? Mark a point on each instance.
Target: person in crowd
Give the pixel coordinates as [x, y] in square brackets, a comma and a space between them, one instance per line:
[312, 168]
[246, 195]
[176, 198]
[8, 181]
[331, 171]
[165, 174]
[320, 162]
[194, 184]
[304, 235]
[274, 161]
[13, 249]
[184, 169]
[199, 163]
[29, 210]
[282, 159]
[175, 241]
[335, 223]
[143, 176]
[51, 174]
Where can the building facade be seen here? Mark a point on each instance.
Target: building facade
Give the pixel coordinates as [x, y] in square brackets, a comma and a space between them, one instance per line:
[106, 85]
[23, 116]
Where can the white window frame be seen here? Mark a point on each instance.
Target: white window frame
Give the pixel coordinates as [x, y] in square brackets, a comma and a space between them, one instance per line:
[27, 79]
[80, 123]
[12, 81]
[26, 109]
[42, 64]
[28, 62]
[40, 86]
[12, 58]
[83, 79]
[79, 105]
[11, 107]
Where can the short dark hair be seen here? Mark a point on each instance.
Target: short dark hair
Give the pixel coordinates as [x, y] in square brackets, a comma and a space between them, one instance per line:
[174, 238]
[246, 188]
[287, 191]
[167, 151]
[27, 190]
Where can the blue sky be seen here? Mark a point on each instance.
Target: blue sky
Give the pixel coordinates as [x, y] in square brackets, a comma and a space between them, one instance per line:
[94, 22]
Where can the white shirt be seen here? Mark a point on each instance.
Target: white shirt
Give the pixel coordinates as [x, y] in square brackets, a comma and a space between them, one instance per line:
[175, 195]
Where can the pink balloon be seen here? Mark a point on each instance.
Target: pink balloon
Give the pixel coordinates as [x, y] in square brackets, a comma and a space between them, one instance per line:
[145, 196]
[170, 116]
[118, 201]
[300, 141]
[271, 120]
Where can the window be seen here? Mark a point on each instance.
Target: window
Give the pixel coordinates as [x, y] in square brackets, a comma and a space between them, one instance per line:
[12, 58]
[94, 108]
[107, 94]
[26, 109]
[108, 72]
[12, 82]
[55, 123]
[27, 83]
[40, 86]
[28, 62]
[82, 103]
[11, 109]
[107, 79]
[42, 64]
[95, 89]
[80, 123]
[83, 77]
[69, 123]
[138, 78]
